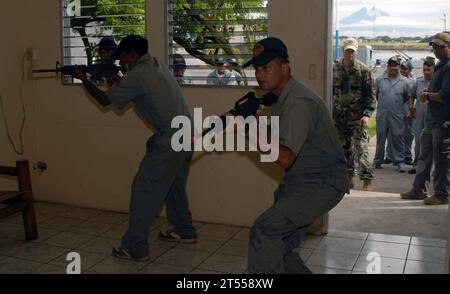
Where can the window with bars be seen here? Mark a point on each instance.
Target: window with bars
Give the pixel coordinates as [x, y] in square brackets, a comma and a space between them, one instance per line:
[210, 40]
[92, 28]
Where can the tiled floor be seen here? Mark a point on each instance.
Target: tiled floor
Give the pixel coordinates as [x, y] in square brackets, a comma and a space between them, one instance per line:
[220, 249]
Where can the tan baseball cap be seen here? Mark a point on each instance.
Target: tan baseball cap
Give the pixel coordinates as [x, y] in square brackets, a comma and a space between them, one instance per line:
[441, 39]
[350, 43]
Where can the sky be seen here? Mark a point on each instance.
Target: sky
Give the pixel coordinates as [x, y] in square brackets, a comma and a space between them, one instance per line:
[408, 17]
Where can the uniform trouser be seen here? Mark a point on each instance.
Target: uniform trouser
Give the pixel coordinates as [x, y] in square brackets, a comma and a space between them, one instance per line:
[417, 135]
[361, 142]
[409, 137]
[162, 175]
[281, 228]
[355, 142]
[419, 126]
[434, 148]
[390, 127]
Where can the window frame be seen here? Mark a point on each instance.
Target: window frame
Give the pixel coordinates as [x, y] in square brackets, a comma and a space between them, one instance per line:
[63, 56]
[170, 52]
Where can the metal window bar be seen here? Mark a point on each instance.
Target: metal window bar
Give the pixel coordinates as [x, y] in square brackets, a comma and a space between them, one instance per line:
[248, 25]
[120, 19]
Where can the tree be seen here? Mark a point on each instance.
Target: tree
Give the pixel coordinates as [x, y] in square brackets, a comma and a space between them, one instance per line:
[122, 17]
[205, 28]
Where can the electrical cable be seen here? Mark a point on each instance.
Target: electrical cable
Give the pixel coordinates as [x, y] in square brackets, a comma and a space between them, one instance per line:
[19, 151]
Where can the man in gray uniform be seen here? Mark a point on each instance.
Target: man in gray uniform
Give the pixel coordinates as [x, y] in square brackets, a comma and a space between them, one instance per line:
[179, 68]
[234, 66]
[392, 90]
[221, 76]
[436, 136]
[311, 154]
[418, 109]
[406, 68]
[163, 172]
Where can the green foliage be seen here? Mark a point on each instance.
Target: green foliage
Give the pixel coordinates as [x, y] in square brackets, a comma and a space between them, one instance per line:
[372, 127]
[205, 28]
[119, 16]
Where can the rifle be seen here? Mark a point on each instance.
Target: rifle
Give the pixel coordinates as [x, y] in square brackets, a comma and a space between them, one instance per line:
[106, 70]
[247, 106]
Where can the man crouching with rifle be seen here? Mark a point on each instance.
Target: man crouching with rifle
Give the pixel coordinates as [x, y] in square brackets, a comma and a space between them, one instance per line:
[310, 152]
[163, 172]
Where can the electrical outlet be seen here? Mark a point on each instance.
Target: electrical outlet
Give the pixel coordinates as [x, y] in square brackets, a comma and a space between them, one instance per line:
[31, 54]
[40, 167]
[31, 57]
[29, 63]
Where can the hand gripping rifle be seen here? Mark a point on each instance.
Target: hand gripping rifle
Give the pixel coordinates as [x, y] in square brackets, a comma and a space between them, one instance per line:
[246, 106]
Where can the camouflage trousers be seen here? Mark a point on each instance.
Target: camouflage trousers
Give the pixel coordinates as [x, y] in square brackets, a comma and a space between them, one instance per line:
[355, 142]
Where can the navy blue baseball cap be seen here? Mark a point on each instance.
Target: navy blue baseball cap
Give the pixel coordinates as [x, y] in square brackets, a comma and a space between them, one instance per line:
[179, 61]
[430, 61]
[266, 50]
[220, 61]
[107, 43]
[408, 65]
[131, 42]
[232, 61]
[395, 60]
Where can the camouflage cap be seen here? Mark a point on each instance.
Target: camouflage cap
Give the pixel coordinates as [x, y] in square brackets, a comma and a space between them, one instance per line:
[350, 43]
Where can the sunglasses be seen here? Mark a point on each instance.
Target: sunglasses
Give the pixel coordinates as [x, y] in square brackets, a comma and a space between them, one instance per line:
[437, 47]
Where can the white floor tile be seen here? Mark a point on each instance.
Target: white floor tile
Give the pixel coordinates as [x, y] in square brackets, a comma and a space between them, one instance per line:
[421, 267]
[334, 260]
[426, 253]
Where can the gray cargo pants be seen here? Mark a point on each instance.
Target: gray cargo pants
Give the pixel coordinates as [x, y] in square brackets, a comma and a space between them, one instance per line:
[434, 148]
[281, 228]
[162, 175]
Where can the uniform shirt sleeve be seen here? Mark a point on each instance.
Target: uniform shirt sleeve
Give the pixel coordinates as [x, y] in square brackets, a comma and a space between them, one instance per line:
[367, 95]
[413, 92]
[406, 91]
[445, 87]
[297, 123]
[211, 78]
[128, 89]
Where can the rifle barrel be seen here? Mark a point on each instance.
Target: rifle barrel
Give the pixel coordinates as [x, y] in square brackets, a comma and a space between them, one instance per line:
[46, 70]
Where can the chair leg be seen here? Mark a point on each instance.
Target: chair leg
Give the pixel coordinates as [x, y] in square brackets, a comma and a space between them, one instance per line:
[29, 215]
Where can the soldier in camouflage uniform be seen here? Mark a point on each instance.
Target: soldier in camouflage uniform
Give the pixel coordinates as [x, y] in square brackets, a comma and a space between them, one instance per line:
[353, 105]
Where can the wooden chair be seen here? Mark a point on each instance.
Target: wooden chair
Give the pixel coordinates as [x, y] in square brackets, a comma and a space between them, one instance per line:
[20, 200]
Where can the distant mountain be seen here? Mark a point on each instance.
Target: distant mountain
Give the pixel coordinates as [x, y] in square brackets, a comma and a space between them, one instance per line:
[429, 39]
[371, 22]
[364, 14]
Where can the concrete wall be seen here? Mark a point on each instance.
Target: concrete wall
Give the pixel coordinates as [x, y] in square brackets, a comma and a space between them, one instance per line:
[92, 155]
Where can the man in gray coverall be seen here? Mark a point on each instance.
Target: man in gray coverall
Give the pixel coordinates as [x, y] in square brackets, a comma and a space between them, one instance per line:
[162, 174]
[311, 154]
[406, 68]
[418, 109]
[392, 90]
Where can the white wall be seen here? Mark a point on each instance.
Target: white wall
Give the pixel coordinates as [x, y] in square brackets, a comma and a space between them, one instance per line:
[92, 154]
